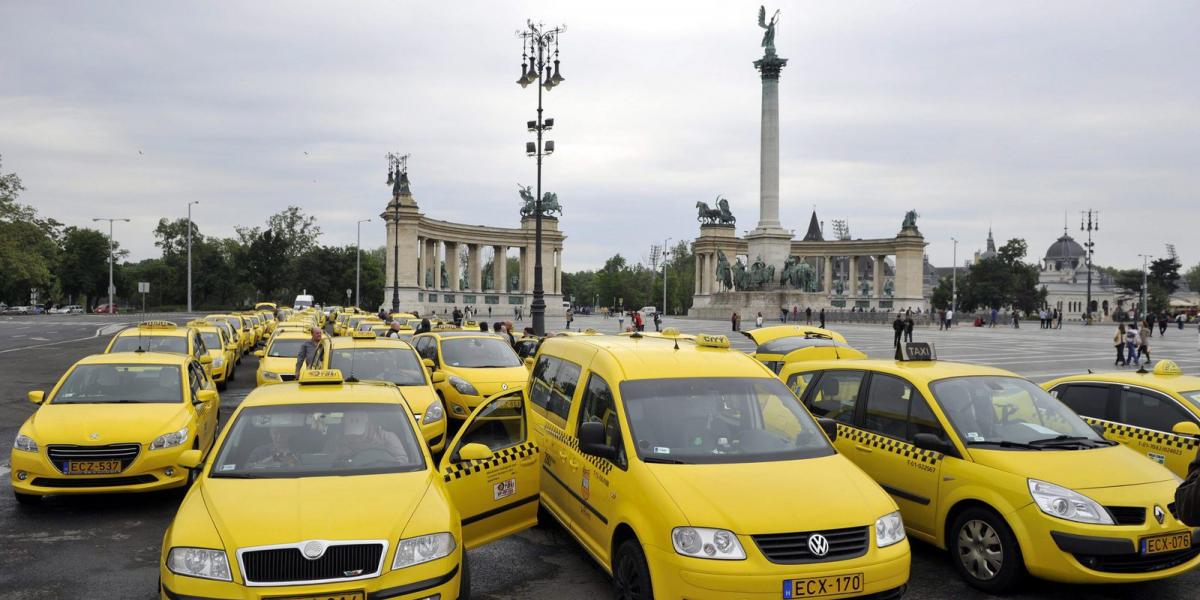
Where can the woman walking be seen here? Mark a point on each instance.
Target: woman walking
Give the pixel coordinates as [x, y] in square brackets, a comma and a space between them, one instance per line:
[758, 321]
[1144, 346]
[1119, 343]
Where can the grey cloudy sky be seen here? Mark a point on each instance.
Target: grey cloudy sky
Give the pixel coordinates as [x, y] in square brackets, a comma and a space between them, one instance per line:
[973, 113]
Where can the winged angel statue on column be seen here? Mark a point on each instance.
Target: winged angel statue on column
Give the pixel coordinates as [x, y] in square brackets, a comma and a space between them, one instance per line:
[768, 40]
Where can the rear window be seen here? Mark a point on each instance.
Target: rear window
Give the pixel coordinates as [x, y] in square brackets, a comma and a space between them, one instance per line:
[788, 344]
[151, 343]
[285, 348]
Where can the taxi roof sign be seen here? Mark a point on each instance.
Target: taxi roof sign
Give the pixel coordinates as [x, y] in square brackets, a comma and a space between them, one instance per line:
[157, 324]
[199, 323]
[916, 351]
[320, 376]
[706, 340]
[1167, 367]
[670, 332]
[363, 335]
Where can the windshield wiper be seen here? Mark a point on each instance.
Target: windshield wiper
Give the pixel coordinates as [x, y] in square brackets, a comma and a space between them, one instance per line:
[234, 476]
[1070, 440]
[1003, 444]
[662, 461]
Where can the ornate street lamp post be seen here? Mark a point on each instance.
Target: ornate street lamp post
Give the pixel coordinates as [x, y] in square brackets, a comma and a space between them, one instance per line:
[536, 49]
[398, 179]
[1092, 224]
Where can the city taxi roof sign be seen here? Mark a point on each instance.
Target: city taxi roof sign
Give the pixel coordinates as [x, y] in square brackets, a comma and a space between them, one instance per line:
[706, 340]
[320, 376]
[158, 324]
[1167, 367]
[918, 351]
[363, 335]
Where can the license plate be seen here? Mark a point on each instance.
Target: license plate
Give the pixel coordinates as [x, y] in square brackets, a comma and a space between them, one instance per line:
[813, 587]
[93, 467]
[1167, 543]
[333, 596]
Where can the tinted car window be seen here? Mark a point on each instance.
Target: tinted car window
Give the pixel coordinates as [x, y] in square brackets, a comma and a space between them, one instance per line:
[543, 380]
[151, 343]
[1150, 410]
[563, 389]
[837, 395]
[479, 353]
[1086, 400]
[887, 405]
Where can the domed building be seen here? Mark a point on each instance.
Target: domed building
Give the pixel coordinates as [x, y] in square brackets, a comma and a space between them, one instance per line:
[1064, 254]
[1064, 275]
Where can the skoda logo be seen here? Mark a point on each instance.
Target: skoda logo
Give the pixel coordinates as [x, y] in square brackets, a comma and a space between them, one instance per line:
[313, 550]
[94, 436]
[818, 545]
[1159, 515]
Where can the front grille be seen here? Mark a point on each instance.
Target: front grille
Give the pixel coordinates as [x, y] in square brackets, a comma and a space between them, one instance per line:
[287, 376]
[288, 565]
[1137, 563]
[792, 548]
[91, 483]
[60, 453]
[1128, 515]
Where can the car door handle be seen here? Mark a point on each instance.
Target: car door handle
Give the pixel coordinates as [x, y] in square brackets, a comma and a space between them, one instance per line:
[527, 461]
[862, 448]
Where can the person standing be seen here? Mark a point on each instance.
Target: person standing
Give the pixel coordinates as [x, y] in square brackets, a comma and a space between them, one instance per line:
[1179, 320]
[1144, 347]
[639, 324]
[949, 318]
[808, 315]
[308, 351]
[783, 314]
[898, 330]
[758, 321]
[1058, 315]
[1162, 323]
[657, 321]
[570, 317]
[733, 321]
[908, 327]
[822, 317]
[1016, 319]
[621, 320]
[1131, 343]
[1119, 343]
[995, 313]
[795, 314]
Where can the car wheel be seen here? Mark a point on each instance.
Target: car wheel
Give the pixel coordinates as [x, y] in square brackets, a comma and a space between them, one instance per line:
[631, 575]
[221, 386]
[27, 499]
[985, 551]
[464, 580]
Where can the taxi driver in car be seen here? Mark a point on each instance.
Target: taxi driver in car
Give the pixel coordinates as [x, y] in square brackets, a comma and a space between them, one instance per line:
[360, 435]
[277, 452]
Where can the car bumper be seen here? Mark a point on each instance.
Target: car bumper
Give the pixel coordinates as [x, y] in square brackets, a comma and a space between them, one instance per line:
[1069, 552]
[412, 583]
[34, 474]
[885, 574]
[218, 374]
[434, 434]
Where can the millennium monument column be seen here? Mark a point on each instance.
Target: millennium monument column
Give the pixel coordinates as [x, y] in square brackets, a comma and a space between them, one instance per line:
[769, 240]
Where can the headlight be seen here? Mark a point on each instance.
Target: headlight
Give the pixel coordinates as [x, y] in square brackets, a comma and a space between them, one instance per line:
[422, 549]
[702, 542]
[463, 386]
[889, 529]
[1058, 501]
[199, 562]
[270, 375]
[218, 362]
[168, 440]
[434, 413]
[26, 443]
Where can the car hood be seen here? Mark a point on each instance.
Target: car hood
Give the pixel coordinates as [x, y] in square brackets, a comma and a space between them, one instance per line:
[258, 512]
[419, 397]
[1113, 466]
[277, 364]
[510, 375]
[763, 335]
[818, 493]
[109, 423]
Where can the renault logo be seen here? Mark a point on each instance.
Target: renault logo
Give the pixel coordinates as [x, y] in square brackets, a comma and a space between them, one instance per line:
[818, 545]
[1159, 515]
[313, 550]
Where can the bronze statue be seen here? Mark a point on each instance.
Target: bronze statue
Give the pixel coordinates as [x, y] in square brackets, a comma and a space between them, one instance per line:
[768, 40]
[724, 272]
[910, 220]
[715, 216]
[549, 202]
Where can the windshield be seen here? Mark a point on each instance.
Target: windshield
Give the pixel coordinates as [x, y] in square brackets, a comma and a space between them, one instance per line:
[394, 365]
[479, 353]
[719, 420]
[121, 384]
[151, 343]
[1193, 397]
[285, 348]
[313, 440]
[788, 344]
[212, 340]
[1009, 411]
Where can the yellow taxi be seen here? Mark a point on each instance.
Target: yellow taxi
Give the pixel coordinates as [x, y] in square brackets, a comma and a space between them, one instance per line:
[363, 356]
[115, 423]
[256, 326]
[1157, 414]
[231, 337]
[322, 489]
[469, 366]
[266, 306]
[368, 323]
[688, 470]
[162, 336]
[778, 345]
[987, 465]
[220, 350]
[277, 362]
[245, 336]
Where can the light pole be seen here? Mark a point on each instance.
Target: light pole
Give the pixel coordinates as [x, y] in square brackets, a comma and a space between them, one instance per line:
[189, 253]
[954, 279]
[1145, 259]
[110, 258]
[536, 41]
[358, 261]
[665, 252]
[398, 179]
[1093, 224]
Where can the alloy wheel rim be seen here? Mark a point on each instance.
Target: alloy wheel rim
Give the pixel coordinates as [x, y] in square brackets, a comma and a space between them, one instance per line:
[979, 550]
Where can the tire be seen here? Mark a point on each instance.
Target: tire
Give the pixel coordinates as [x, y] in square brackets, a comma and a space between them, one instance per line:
[464, 580]
[631, 575]
[984, 551]
[27, 499]
[221, 385]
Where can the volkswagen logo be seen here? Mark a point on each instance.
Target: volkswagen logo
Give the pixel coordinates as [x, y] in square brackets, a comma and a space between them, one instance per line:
[818, 545]
[313, 550]
[1159, 515]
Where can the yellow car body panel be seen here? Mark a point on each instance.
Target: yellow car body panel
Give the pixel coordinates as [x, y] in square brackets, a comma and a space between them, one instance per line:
[103, 427]
[223, 356]
[1139, 410]
[245, 334]
[932, 487]
[486, 381]
[278, 369]
[778, 345]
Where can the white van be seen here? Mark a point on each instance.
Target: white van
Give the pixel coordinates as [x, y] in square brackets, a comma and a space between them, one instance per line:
[648, 311]
[304, 300]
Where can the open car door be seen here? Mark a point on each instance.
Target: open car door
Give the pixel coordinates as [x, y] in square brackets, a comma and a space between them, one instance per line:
[491, 471]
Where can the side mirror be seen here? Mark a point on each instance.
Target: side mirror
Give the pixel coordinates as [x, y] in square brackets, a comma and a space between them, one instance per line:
[529, 362]
[206, 396]
[427, 362]
[591, 441]
[37, 397]
[928, 441]
[830, 427]
[474, 452]
[1186, 428]
[206, 359]
[231, 347]
[190, 459]
[437, 377]
[260, 353]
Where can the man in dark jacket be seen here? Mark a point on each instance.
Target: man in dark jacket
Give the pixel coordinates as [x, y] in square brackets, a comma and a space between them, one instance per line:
[908, 327]
[1187, 496]
[898, 328]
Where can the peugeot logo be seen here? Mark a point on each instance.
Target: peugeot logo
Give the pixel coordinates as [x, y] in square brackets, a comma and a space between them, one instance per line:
[1159, 515]
[818, 545]
[313, 550]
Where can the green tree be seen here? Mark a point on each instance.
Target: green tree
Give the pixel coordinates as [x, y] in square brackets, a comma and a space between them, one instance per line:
[1162, 281]
[28, 246]
[83, 265]
[1192, 278]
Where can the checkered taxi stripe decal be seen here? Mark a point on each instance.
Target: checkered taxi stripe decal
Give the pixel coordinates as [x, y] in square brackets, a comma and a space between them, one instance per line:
[501, 457]
[601, 464]
[888, 444]
[1145, 435]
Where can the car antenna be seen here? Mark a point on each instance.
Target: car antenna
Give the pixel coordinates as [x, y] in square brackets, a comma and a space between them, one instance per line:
[1141, 370]
[1090, 371]
[635, 335]
[351, 378]
[676, 343]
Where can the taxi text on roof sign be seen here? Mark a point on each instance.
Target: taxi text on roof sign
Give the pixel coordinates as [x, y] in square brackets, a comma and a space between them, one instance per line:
[918, 351]
[157, 325]
[1167, 367]
[317, 376]
[712, 341]
[363, 335]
